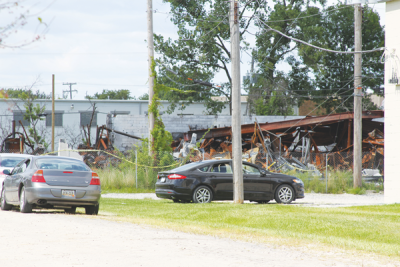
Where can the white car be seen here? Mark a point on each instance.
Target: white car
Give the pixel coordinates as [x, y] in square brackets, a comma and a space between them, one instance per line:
[7, 162]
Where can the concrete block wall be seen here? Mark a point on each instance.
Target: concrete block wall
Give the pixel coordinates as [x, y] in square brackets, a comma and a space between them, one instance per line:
[138, 125]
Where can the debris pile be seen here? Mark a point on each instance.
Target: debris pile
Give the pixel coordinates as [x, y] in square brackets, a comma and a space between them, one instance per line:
[306, 144]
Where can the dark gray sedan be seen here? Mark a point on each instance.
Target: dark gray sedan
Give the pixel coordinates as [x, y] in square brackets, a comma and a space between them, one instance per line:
[205, 181]
[53, 183]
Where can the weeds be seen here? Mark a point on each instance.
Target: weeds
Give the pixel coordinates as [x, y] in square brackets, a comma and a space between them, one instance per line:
[339, 182]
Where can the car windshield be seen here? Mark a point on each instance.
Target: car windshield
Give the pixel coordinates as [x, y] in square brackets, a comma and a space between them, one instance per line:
[186, 167]
[10, 162]
[61, 164]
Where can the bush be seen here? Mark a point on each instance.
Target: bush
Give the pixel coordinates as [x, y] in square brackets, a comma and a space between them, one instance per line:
[123, 176]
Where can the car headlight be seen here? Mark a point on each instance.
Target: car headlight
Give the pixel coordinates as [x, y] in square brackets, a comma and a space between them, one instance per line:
[297, 181]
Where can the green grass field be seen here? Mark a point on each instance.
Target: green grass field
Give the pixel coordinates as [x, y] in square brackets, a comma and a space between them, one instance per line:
[373, 229]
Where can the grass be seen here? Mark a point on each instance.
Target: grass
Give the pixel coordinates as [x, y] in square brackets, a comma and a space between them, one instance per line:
[373, 229]
[339, 182]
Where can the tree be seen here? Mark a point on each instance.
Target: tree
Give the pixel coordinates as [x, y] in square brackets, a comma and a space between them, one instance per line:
[191, 62]
[334, 73]
[33, 113]
[277, 87]
[17, 15]
[123, 94]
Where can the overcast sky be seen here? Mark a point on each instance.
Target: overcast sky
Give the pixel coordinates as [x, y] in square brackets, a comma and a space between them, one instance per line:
[97, 44]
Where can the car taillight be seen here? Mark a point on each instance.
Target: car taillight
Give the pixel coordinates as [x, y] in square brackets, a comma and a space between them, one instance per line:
[176, 176]
[38, 177]
[95, 179]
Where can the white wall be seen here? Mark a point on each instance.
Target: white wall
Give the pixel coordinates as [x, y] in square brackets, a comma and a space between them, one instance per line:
[392, 106]
[71, 129]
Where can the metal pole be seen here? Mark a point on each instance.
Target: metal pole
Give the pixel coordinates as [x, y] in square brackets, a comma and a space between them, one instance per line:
[52, 115]
[150, 48]
[326, 174]
[238, 194]
[357, 97]
[136, 167]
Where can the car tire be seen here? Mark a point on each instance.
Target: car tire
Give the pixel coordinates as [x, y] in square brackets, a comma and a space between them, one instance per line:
[202, 194]
[71, 210]
[284, 194]
[24, 206]
[92, 210]
[4, 205]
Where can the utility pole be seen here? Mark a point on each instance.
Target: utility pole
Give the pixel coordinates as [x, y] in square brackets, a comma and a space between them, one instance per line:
[70, 89]
[150, 48]
[357, 140]
[238, 194]
[52, 115]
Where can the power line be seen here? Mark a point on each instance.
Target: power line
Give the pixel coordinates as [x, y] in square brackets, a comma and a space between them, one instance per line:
[317, 47]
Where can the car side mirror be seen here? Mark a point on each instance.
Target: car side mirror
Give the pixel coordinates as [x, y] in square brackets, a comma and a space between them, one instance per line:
[6, 172]
[263, 173]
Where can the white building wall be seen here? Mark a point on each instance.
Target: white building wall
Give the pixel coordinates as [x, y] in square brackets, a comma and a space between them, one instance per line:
[392, 105]
[71, 129]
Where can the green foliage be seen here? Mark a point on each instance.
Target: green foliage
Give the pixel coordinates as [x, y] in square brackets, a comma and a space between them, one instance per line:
[162, 139]
[201, 51]
[123, 94]
[339, 182]
[24, 94]
[123, 177]
[334, 72]
[33, 113]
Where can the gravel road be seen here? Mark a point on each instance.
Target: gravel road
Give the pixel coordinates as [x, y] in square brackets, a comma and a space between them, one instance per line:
[52, 238]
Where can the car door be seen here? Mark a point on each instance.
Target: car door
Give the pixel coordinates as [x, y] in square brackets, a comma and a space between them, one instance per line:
[257, 184]
[12, 192]
[222, 180]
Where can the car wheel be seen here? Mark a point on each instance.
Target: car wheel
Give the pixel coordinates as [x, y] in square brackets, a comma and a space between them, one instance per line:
[202, 194]
[71, 210]
[263, 202]
[4, 205]
[284, 194]
[24, 206]
[92, 210]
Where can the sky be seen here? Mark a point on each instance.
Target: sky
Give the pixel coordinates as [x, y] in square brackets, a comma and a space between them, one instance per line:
[97, 44]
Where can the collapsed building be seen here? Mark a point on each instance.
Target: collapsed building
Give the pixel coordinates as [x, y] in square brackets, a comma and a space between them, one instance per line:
[307, 143]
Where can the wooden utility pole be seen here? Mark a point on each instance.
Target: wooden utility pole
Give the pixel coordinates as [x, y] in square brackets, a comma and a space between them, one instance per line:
[150, 48]
[52, 115]
[238, 194]
[357, 140]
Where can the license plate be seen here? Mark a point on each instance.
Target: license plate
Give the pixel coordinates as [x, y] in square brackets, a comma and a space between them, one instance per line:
[68, 193]
[162, 180]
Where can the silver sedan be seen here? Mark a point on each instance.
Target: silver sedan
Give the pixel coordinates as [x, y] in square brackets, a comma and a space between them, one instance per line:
[53, 183]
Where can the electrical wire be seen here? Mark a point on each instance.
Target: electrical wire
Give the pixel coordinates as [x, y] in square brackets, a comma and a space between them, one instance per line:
[317, 47]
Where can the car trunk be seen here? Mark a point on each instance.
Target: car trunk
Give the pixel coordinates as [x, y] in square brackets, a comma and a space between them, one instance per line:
[163, 182]
[67, 178]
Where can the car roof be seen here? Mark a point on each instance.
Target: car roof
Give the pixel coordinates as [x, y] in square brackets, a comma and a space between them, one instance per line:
[14, 155]
[54, 157]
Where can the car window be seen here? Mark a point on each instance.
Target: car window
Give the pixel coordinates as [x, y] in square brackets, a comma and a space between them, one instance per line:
[10, 161]
[24, 166]
[61, 164]
[221, 168]
[247, 169]
[17, 169]
[204, 168]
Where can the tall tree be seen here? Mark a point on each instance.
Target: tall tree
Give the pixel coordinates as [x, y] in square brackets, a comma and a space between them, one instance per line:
[334, 73]
[191, 62]
[276, 88]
